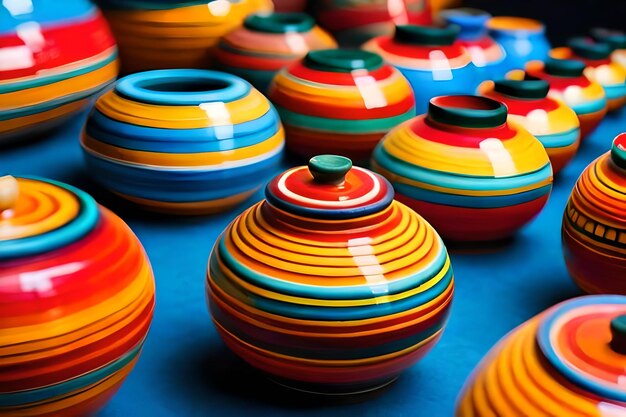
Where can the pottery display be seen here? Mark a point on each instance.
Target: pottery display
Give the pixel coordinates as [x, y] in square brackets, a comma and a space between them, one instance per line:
[598, 67]
[487, 55]
[522, 39]
[471, 173]
[569, 83]
[267, 43]
[548, 119]
[431, 58]
[183, 141]
[289, 6]
[76, 300]
[353, 22]
[567, 361]
[330, 285]
[340, 101]
[616, 39]
[45, 76]
[594, 224]
[154, 34]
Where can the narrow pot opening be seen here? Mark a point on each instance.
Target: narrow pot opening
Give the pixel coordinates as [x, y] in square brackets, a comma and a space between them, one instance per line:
[467, 111]
[183, 85]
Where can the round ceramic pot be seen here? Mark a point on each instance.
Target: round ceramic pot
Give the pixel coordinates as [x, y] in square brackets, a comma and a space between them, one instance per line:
[356, 21]
[548, 119]
[45, 76]
[523, 40]
[289, 6]
[183, 141]
[471, 173]
[154, 34]
[567, 361]
[594, 224]
[431, 59]
[487, 55]
[598, 67]
[569, 84]
[330, 270]
[76, 301]
[616, 40]
[340, 101]
[265, 44]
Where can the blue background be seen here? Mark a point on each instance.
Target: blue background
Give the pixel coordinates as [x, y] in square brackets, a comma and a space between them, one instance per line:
[186, 370]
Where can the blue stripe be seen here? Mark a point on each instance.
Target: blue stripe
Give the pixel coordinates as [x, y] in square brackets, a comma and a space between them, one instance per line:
[589, 107]
[615, 91]
[559, 140]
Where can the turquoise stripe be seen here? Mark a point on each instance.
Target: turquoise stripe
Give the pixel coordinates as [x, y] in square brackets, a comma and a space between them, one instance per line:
[615, 91]
[589, 107]
[559, 140]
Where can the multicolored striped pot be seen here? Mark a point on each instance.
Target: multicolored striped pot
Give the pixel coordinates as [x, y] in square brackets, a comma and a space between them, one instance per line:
[522, 39]
[76, 301]
[330, 285]
[154, 34]
[45, 75]
[431, 58]
[265, 44]
[183, 141]
[567, 361]
[569, 83]
[353, 22]
[594, 224]
[616, 39]
[598, 67]
[548, 119]
[471, 173]
[487, 55]
[340, 101]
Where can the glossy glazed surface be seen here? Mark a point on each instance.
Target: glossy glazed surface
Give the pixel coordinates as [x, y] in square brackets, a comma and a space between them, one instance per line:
[76, 301]
[340, 101]
[330, 285]
[594, 224]
[568, 83]
[267, 43]
[354, 22]
[548, 119]
[170, 140]
[560, 363]
[183, 34]
[471, 173]
[433, 68]
[45, 77]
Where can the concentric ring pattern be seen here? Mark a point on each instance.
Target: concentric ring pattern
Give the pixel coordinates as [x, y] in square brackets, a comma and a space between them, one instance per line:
[567, 361]
[594, 224]
[45, 76]
[183, 141]
[76, 301]
[471, 173]
[330, 287]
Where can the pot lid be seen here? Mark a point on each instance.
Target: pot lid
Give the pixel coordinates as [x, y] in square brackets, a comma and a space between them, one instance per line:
[588, 49]
[280, 22]
[39, 215]
[585, 341]
[522, 89]
[615, 38]
[618, 151]
[330, 188]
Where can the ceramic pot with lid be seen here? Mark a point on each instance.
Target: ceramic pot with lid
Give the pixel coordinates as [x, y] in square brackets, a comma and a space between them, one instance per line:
[616, 40]
[330, 285]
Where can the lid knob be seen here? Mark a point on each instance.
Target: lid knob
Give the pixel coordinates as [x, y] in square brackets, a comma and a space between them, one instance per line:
[9, 190]
[329, 169]
[618, 331]
[618, 151]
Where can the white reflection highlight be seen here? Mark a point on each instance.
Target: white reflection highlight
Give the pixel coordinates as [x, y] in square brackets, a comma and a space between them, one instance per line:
[523, 46]
[440, 66]
[501, 160]
[18, 7]
[219, 7]
[16, 57]
[573, 95]
[373, 96]
[479, 58]
[296, 42]
[30, 34]
[611, 410]
[363, 255]
[41, 281]
[539, 121]
[219, 115]
[397, 12]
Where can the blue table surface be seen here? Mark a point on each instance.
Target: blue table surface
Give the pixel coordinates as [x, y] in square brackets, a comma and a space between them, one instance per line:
[186, 370]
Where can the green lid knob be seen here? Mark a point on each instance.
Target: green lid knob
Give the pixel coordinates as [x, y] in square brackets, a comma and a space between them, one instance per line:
[615, 38]
[342, 60]
[426, 35]
[564, 67]
[280, 22]
[618, 151]
[524, 89]
[618, 333]
[329, 169]
[588, 49]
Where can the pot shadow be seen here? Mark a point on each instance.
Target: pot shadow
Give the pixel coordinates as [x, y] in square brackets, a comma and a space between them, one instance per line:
[480, 248]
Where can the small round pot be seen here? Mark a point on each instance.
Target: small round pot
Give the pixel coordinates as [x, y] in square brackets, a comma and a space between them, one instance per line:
[473, 174]
[568, 360]
[548, 119]
[594, 224]
[431, 58]
[598, 67]
[45, 75]
[616, 40]
[329, 270]
[265, 44]
[153, 34]
[522, 39]
[340, 101]
[183, 141]
[76, 301]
